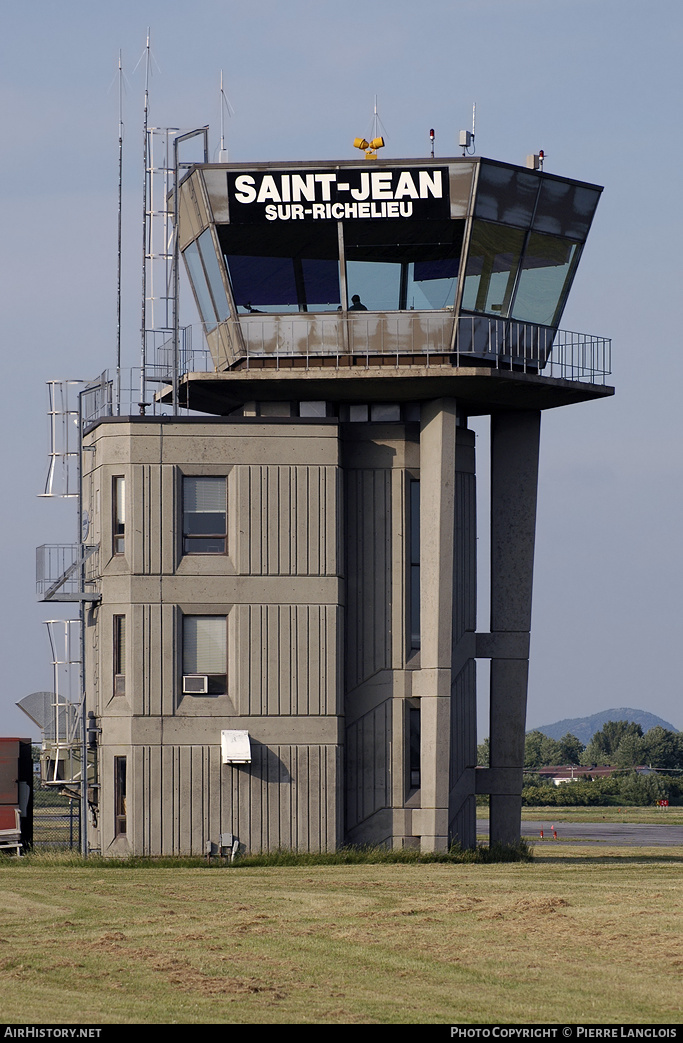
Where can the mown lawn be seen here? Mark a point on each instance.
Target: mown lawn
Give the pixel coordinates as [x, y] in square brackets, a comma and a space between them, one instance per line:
[672, 816]
[572, 936]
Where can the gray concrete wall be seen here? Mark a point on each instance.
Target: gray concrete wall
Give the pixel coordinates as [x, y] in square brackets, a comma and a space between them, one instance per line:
[384, 677]
[446, 682]
[514, 480]
[281, 593]
[378, 462]
[461, 805]
[315, 590]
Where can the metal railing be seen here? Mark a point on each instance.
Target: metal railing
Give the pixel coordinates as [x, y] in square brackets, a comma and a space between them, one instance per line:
[419, 339]
[426, 339]
[58, 570]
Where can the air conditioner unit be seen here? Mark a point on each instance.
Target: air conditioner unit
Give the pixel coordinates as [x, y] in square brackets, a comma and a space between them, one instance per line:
[195, 684]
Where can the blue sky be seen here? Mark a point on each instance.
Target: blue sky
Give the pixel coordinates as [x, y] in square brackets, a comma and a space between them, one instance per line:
[595, 83]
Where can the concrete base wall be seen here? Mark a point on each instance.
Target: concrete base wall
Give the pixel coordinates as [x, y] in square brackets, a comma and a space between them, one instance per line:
[322, 668]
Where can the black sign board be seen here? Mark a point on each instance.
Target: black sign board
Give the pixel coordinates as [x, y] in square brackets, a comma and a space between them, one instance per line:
[342, 194]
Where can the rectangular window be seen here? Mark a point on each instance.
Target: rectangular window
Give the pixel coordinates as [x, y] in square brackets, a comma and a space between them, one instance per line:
[413, 747]
[547, 270]
[414, 547]
[204, 655]
[408, 265]
[120, 818]
[492, 264]
[284, 267]
[118, 514]
[119, 655]
[204, 515]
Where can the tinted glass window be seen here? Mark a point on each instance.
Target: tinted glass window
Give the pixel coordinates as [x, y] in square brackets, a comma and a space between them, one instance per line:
[506, 195]
[565, 209]
[283, 267]
[208, 255]
[547, 270]
[391, 265]
[200, 285]
[403, 264]
[492, 264]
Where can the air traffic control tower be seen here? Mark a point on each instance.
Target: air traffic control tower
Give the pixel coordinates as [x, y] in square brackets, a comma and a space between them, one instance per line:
[284, 650]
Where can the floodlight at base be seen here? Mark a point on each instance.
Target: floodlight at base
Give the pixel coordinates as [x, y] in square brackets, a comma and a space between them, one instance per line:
[235, 747]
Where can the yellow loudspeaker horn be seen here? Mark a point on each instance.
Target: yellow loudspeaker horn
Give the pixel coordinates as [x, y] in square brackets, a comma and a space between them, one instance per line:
[361, 143]
[376, 143]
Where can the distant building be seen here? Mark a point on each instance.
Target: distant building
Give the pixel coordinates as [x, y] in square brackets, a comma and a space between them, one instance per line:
[579, 773]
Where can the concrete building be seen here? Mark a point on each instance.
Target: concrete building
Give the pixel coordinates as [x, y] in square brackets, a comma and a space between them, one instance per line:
[281, 637]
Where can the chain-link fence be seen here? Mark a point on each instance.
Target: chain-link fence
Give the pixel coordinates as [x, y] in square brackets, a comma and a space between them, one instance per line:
[56, 820]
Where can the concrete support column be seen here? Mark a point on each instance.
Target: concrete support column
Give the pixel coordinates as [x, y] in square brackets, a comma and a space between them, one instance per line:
[433, 686]
[514, 481]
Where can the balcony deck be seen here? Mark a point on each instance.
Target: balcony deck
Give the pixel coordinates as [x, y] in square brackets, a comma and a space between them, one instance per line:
[480, 387]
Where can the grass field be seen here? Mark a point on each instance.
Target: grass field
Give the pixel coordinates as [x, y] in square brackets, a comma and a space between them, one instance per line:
[570, 937]
[672, 816]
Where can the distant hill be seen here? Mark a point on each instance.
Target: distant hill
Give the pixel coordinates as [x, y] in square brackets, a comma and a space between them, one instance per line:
[584, 728]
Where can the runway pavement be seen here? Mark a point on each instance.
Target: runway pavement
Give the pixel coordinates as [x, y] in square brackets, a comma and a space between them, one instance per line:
[613, 833]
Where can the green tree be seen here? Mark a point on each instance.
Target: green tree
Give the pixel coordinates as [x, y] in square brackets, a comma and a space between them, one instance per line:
[540, 750]
[551, 751]
[641, 790]
[532, 749]
[571, 749]
[662, 748]
[484, 753]
[630, 751]
[602, 749]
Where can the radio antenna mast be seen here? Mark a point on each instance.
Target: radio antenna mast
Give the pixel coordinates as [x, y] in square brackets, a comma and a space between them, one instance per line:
[225, 106]
[376, 126]
[143, 331]
[118, 264]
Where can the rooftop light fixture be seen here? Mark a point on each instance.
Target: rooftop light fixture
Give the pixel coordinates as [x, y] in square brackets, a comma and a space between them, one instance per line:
[370, 147]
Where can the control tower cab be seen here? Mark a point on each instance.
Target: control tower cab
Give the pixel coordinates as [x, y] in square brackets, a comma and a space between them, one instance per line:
[284, 651]
[462, 262]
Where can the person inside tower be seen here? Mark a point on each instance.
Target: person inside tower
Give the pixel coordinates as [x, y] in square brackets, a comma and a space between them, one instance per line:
[356, 304]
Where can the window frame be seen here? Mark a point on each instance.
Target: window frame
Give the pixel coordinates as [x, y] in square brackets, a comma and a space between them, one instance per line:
[413, 747]
[187, 538]
[118, 515]
[120, 798]
[412, 529]
[119, 653]
[216, 681]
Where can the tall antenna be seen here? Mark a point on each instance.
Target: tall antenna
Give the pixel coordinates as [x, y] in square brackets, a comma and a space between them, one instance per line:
[225, 106]
[143, 347]
[376, 127]
[118, 265]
